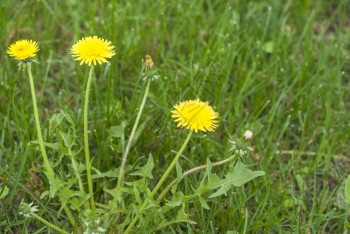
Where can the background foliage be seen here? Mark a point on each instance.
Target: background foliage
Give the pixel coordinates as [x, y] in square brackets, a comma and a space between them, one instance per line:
[279, 68]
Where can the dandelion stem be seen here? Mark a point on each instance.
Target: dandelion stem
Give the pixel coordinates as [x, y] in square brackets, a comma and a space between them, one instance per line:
[48, 224]
[40, 137]
[161, 181]
[122, 167]
[86, 140]
[191, 171]
[37, 122]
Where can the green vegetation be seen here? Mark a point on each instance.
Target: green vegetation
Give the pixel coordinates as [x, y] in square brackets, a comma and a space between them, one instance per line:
[278, 68]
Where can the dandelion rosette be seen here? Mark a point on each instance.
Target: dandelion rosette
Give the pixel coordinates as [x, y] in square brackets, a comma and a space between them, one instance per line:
[91, 50]
[195, 115]
[23, 49]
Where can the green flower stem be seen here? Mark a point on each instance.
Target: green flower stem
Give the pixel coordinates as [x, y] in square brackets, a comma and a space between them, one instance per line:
[161, 181]
[48, 224]
[86, 140]
[41, 141]
[191, 171]
[122, 167]
[37, 123]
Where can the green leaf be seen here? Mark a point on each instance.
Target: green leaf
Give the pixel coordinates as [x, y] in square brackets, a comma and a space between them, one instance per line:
[44, 194]
[178, 199]
[290, 202]
[204, 204]
[268, 47]
[214, 181]
[55, 146]
[56, 120]
[347, 224]
[67, 138]
[68, 117]
[136, 191]
[138, 132]
[111, 173]
[57, 184]
[181, 217]
[237, 177]
[347, 190]
[146, 171]
[3, 191]
[340, 200]
[116, 131]
[179, 175]
[115, 193]
[208, 167]
[80, 198]
[301, 183]
[206, 174]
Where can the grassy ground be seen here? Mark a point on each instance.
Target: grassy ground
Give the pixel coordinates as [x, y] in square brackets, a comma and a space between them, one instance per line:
[279, 68]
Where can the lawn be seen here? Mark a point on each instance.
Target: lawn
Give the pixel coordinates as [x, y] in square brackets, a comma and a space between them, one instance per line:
[280, 69]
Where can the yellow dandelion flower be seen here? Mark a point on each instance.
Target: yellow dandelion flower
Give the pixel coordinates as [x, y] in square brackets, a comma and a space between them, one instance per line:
[92, 49]
[195, 115]
[23, 49]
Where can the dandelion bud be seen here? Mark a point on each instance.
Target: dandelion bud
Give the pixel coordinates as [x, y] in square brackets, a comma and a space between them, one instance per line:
[25, 209]
[149, 62]
[93, 226]
[151, 72]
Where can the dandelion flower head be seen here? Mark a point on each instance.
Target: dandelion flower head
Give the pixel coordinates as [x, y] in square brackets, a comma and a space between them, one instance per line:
[23, 49]
[91, 50]
[195, 115]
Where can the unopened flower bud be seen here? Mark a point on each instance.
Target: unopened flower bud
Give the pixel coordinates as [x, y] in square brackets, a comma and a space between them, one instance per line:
[248, 134]
[149, 62]
[25, 209]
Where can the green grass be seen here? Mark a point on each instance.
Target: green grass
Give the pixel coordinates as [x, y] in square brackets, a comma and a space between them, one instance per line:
[279, 68]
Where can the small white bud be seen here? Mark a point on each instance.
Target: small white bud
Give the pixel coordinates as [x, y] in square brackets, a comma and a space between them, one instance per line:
[248, 134]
